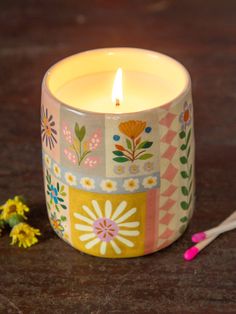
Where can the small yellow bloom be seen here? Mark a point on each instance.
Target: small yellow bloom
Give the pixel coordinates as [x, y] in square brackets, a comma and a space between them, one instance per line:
[12, 207]
[24, 235]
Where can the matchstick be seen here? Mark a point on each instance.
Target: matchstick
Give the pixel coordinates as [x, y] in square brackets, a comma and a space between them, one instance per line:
[192, 252]
[200, 236]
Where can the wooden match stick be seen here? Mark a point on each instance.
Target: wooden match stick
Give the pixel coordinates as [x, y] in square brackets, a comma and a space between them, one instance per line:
[192, 252]
[200, 236]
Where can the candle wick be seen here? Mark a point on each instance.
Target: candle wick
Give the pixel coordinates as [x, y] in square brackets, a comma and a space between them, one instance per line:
[117, 102]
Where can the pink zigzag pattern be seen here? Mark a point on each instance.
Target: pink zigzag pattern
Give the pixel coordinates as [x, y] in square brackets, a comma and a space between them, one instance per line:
[168, 174]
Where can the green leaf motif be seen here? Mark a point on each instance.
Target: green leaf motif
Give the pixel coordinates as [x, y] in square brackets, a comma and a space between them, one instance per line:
[63, 206]
[182, 134]
[184, 190]
[121, 159]
[184, 174]
[63, 218]
[184, 205]
[80, 133]
[145, 144]
[184, 219]
[183, 160]
[128, 143]
[63, 193]
[183, 147]
[49, 188]
[48, 177]
[58, 187]
[60, 199]
[145, 156]
[77, 130]
[118, 153]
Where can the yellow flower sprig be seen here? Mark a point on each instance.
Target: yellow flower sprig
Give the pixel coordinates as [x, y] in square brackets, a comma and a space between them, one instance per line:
[12, 213]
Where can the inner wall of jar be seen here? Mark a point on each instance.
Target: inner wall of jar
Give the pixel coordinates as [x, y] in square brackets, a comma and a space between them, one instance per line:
[165, 69]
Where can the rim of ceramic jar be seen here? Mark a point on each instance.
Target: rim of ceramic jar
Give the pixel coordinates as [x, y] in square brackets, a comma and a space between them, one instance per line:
[182, 93]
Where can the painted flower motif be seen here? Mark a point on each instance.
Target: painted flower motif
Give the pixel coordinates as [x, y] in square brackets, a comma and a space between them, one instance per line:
[91, 161]
[70, 156]
[24, 235]
[80, 147]
[48, 131]
[53, 194]
[70, 178]
[149, 182]
[109, 229]
[67, 134]
[108, 185]
[95, 140]
[87, 183]
[133, 169]
[57, 170]
[56, 224]
[48, 161]
[148, 166]
[56, 193]
[185, 116]
[131, 184]
[132, 128]
[133, 147]
[119, 169]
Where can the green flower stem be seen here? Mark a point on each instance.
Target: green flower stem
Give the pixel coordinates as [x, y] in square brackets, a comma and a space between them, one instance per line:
[143, 151]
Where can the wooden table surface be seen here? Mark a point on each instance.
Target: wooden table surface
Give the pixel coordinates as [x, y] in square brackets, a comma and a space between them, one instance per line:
[52, 277]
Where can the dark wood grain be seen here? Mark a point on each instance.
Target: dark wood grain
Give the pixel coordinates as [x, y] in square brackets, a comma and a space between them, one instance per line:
[51, 277]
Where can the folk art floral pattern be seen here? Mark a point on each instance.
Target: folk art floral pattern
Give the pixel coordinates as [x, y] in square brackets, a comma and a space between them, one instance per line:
[185, 136]
[48, 131]
[111, 228]
[79, 148]
[56, 204]
[136, 147]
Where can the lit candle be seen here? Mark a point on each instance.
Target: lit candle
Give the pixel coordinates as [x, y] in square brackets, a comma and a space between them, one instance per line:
[118, 150]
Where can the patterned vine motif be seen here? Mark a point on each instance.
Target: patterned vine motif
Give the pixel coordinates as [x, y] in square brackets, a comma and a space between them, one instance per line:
[186, 137]
[56, 194]
[79, 148]
[135, 148]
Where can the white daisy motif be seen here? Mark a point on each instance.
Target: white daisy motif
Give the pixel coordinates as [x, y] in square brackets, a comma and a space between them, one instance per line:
[48, 161]
[57, 170]
[108, 185]
[109, 229]
[70, 179]
[87, 183]
[149, 182]
[131, 184]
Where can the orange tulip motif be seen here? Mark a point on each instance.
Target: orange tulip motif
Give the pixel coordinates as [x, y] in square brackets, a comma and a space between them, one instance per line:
[135, 148]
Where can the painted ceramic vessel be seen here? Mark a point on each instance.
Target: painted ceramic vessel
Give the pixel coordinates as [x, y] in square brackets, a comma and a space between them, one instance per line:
[118, 185]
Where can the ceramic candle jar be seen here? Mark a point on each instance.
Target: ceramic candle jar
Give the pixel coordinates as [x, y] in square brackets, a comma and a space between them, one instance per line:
[118, 183]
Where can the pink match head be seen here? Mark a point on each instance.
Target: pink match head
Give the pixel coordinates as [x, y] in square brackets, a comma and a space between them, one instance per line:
[191, 253]
[198, 237]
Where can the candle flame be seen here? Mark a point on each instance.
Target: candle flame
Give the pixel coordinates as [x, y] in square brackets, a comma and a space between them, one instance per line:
[117, 90]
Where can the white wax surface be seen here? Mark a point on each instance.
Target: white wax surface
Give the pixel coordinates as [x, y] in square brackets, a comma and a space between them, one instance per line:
[141, 91]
